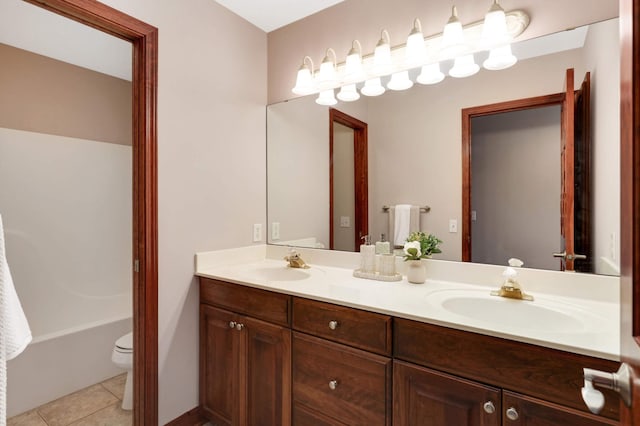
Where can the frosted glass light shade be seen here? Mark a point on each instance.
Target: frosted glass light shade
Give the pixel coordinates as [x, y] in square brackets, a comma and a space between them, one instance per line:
[327, 98]
[348, 93]
[453, 35]
[430, 74]
[494, 28]
[304, 82]
[353, 70]
[373, 87]
[327, 74]
[400, 81]
[415, 51]
[464, 66]
[500, 58]
[382, 56]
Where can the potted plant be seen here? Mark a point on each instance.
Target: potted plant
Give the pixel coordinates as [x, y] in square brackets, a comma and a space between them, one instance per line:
[419, 246]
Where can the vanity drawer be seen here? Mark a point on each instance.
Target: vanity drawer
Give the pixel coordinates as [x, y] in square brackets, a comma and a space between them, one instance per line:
[261, 304]
[545, 373]
[343, 383]
[362, 329]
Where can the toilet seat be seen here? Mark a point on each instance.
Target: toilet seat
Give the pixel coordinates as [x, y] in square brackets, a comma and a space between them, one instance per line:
[125, 343]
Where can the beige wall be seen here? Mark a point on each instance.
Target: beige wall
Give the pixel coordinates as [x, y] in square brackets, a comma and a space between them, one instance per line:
[211, 164]
[337, 26]
[43, 95]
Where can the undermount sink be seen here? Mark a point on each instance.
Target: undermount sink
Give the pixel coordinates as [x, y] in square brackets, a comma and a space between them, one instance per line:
[277, 273]
[540, 314]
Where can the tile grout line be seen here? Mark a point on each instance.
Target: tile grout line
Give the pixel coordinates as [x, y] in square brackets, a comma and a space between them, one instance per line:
[108, 390]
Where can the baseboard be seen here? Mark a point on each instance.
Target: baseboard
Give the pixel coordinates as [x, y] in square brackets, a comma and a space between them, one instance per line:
[192, 417]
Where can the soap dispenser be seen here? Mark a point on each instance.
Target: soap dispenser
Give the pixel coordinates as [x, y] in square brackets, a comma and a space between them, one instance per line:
[382, 246]
[367, 255]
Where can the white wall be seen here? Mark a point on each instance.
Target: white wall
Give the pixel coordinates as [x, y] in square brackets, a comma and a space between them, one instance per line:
[604, 64]
[66, 208]
[211, 164]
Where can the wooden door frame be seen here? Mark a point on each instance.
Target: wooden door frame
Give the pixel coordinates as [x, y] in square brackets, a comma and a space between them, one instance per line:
[479, 111]
[630, 196]
[360, 169]
[144, 39]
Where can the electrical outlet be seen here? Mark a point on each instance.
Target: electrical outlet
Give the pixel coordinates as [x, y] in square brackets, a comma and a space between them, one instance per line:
[257, 232]
[275, 230]
[345, 221]
[453, 226]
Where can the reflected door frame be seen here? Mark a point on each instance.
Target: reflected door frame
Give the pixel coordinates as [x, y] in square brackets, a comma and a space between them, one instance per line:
[144, 39]
[361, 174]
[479, 111]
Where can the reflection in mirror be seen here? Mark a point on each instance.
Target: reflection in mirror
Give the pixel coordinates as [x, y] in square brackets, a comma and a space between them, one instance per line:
[414, 148]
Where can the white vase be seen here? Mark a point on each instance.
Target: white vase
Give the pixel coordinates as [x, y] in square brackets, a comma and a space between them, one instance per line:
[416, 271]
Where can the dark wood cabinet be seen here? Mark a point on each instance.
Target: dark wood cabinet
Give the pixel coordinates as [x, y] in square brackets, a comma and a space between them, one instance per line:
[245, 369]
[271, 359]
[426, 397]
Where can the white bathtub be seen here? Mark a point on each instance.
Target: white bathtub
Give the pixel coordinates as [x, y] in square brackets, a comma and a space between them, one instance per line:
[62, 363]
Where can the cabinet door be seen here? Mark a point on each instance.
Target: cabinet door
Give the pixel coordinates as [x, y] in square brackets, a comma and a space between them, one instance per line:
[219, 369]
[520, 410]
[427, 397]
[267, 366]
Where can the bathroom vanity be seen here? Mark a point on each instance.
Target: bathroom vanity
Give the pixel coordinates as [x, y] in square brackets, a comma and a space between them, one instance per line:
[290, 352]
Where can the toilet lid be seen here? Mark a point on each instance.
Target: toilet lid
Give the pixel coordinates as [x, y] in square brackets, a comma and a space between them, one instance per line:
[125, 342]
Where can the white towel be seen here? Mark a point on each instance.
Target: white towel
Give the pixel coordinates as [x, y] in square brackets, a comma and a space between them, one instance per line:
[15, 334]
[403, 219]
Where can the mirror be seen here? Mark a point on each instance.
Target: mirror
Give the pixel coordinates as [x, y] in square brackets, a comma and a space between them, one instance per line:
[414, 147]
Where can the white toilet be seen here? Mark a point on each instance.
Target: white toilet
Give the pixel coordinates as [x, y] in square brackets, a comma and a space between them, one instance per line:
[122, 356]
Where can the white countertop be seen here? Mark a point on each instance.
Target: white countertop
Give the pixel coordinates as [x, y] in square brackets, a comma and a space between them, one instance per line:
[330, 279]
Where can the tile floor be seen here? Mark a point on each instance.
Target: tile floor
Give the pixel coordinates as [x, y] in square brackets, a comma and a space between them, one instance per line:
[97, 405]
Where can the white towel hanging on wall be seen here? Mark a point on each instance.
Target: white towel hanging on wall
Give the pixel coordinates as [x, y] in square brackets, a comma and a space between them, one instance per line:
[15, 334]
[403, 219]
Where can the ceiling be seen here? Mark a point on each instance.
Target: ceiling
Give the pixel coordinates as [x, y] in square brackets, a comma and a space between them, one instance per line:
[270, 15]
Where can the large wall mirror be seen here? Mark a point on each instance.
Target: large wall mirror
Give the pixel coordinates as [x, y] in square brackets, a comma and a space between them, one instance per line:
[415, 157]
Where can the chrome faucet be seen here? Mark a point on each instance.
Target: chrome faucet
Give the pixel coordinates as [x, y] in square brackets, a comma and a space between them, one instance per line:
[510, 287]
[295, 261]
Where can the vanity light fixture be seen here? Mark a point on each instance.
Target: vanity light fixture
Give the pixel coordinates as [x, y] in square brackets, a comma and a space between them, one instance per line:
[372, 87]
[416, 51]
[304, 81]
[327, 74]
[457, 44]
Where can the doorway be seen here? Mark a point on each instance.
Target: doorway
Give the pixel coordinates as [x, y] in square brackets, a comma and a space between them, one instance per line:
[144, 39]
[348, 181]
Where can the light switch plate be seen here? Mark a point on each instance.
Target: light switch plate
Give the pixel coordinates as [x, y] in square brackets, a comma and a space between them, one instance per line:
[275, 230]
[453, 225]
[345, 221]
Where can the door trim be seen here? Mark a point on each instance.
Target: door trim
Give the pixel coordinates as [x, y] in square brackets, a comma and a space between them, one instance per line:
[361, 174]
[144, 39]
[479, 111]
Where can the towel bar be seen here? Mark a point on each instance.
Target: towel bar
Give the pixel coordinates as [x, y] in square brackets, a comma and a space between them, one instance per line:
[424, 209]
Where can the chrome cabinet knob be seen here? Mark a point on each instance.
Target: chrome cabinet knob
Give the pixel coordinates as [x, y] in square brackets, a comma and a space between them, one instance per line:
[333, 325]
[239, 326]
[489, 408]
[333, 384]
[232, 324]
[512, 414]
